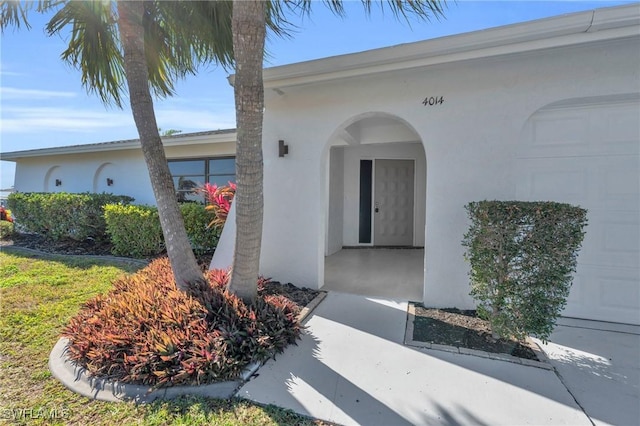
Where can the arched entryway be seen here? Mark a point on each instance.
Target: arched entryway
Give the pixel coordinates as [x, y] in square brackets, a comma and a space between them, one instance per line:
[376, 201]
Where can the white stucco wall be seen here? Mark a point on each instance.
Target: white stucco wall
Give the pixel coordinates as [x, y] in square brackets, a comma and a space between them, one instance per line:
[88, 172]
[470, 143]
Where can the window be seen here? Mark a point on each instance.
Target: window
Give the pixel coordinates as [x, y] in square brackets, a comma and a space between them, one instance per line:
[221, 171]
[188, 175]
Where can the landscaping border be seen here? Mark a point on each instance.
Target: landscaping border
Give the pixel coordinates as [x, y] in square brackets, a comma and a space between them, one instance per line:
[408, 341]
[76, 378]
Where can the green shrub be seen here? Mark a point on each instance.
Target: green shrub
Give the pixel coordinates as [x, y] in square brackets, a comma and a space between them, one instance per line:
[6, 229]
[134, 230]
[63, 215]
[522, 255]
[196, 218]
[145, 331]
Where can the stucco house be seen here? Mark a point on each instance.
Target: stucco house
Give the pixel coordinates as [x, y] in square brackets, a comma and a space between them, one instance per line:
[385, 147]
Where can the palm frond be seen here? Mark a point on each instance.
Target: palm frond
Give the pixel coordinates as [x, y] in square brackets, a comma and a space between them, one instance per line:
[93, 47]
[405, 9]
[14, 13]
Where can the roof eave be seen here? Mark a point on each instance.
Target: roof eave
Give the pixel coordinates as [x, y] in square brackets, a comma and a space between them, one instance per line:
[177, 140]
[564, 30]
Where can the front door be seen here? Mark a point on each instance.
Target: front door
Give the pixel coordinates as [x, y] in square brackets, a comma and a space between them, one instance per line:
[393, 203]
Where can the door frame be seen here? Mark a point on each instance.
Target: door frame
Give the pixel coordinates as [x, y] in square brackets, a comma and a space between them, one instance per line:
[373, 188]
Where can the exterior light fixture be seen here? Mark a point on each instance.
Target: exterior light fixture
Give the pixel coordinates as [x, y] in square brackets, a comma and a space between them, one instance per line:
[58, 182]
[282, 148]
[109, 182]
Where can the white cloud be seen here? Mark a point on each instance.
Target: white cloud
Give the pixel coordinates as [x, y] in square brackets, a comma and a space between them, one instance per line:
[10, 73]
[32, 94]
[33, 120]
[40, 119]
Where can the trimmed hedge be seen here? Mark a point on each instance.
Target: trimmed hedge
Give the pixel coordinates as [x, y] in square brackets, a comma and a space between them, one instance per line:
[135, 231]
[522, 255]
[63, 215]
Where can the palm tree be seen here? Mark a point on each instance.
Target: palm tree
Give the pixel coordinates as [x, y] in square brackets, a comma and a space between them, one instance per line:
[249, 29]
[158, 42]
[131, 17]
[249, 32]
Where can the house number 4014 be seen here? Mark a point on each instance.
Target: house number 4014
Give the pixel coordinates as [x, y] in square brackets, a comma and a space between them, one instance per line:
[433, 100]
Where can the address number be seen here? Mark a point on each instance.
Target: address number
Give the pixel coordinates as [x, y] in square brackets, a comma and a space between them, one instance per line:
[433, 100]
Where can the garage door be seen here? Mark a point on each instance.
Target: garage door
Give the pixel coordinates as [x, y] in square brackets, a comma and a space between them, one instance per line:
[588, 155]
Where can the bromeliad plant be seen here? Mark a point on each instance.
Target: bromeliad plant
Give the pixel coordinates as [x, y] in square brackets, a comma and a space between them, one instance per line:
[146, 331]
[218, 200]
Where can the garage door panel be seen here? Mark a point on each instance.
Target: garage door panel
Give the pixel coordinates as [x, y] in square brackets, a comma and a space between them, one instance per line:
[620, 132]
[611, 239]
[591, 182]
[551, 180]
[564, 130]
[619, 179]
[605, 294]
[586, 131]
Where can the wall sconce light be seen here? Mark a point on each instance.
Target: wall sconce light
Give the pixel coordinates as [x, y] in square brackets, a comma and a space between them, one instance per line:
[58, 182]
[109, 182]
[282, 148]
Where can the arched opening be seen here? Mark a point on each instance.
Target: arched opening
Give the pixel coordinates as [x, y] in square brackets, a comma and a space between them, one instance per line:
[375, 180]
[53, 181]
[106, 179]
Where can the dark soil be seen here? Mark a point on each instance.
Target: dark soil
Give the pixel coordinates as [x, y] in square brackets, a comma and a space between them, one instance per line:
[454, 327]
[38, 242]
[300, 296]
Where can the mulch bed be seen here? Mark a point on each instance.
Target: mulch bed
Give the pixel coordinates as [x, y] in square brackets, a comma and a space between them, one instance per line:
[38, 242]
[462, 328]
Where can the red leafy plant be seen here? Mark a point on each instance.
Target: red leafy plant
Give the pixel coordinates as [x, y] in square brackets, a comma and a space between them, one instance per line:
[218, 200]
[145, 331]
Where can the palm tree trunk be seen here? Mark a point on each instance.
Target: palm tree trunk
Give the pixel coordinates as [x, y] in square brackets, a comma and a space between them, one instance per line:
[249, 29]
[183, 262]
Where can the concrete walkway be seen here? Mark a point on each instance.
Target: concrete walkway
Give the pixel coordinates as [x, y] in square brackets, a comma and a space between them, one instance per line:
[600, 364]
[352, 368]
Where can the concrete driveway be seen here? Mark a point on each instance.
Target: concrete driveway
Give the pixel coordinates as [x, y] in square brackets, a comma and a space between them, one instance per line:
[351, 367]
[600, 365]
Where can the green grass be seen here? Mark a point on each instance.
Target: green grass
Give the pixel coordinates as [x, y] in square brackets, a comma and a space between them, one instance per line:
[38, 296]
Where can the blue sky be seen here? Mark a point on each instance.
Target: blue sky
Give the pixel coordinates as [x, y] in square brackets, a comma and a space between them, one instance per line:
[42, 103]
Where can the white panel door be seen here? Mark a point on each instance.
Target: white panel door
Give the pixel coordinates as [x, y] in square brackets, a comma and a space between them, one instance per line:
[393, 203]
[589, 156]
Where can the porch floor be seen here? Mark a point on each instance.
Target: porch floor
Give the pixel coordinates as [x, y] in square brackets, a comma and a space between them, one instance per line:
[378, 272]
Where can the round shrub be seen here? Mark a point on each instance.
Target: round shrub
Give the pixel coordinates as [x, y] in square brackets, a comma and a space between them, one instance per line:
[146, 331]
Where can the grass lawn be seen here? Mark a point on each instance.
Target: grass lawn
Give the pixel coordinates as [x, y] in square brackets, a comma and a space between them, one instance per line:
[38, 295]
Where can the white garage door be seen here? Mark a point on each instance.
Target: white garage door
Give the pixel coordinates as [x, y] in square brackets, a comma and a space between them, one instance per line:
[588, 155]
